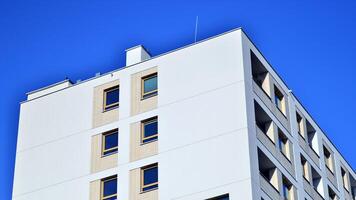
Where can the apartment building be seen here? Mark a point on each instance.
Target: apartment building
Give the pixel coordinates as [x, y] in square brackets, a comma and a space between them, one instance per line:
[209, 121]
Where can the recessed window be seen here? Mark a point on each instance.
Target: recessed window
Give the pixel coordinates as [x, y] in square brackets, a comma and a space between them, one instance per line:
[287, 188]
[283, 144]
[300, 124]
[332, 194]
[149, 178]
[222, 197]
[328, 159]
[149, 130]
[149, 86]
[305, 168]
[345, 180]
[279, 100]
[110, 142]
[109, 188]
[111, 98]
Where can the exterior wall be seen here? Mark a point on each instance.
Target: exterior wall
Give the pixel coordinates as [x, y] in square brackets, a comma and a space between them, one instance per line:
[207, 135]
[139, 105]
[99, 162]
[288, 124]
[101, 117]
[137, 150]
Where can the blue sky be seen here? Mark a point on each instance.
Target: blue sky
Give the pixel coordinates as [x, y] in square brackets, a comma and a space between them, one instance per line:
[42, 42]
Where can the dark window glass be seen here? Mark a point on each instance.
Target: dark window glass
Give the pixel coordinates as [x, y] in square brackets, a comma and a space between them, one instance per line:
[150, 86]
[110, 142]
[150, 178]
[150, 130]
[223, 197]
[112, 97]
[110, 187]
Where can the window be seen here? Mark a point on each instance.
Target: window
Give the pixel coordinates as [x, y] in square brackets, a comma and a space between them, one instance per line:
[149, 130]
[328, 159]
[279, 100]
[111, 98]
[283, 144]
[312, 137]
[149, 86]
[222, 197]
[110, 142]
[109, 188]
[268, 170]
[264, 122]
[305, 168]
[317, 181]
[332, 194]
[287, 188]
[345, 181]
[300, 125]
[149, 178]
[260, 74]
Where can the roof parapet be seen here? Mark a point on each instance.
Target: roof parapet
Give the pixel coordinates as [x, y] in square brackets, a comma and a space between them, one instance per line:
[48, 89]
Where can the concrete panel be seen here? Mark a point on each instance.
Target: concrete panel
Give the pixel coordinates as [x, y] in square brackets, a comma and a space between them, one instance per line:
[200, 68]
[99, 162]
[192, 167]
[137, 150]
[202, 117]
[100, 116]
[138, 104]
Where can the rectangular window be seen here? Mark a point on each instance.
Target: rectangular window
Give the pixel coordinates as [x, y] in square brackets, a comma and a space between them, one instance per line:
[110, 142]
[149, 130]
[328, 159]
[149, 86]
[283, 144]
[305, 168]
[109, 188]
[345, 182]
[149, 178]
[111, 98]
[332, 194]
[287, 188]
[279, 100]
[222, 197]
[300, 124]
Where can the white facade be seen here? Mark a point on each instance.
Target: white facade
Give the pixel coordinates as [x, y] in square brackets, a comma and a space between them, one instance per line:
[207, 143]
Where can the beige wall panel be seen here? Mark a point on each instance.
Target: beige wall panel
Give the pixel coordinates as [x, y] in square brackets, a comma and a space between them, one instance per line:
[99, 163]
[137, 104]
[138, 151]
[101, 117]
[95, 190]
[135, 188]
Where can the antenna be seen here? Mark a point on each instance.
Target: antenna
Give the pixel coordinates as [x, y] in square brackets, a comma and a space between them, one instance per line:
[196, 29]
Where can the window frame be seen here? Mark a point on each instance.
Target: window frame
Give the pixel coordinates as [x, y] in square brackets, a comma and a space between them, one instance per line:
[103, 150]
[113, 105]
[143, 186]
[145, 122]
[102, 181]
[150, 93]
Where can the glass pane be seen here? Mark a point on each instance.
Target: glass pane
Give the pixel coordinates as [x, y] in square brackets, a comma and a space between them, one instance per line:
[111, 141]
[150, 128]
[112, 96]
[150, 187]
[150, 84]
[150, 175]
[110, 187]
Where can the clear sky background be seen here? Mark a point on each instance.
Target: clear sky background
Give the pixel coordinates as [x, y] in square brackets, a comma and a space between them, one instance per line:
[44, 41]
